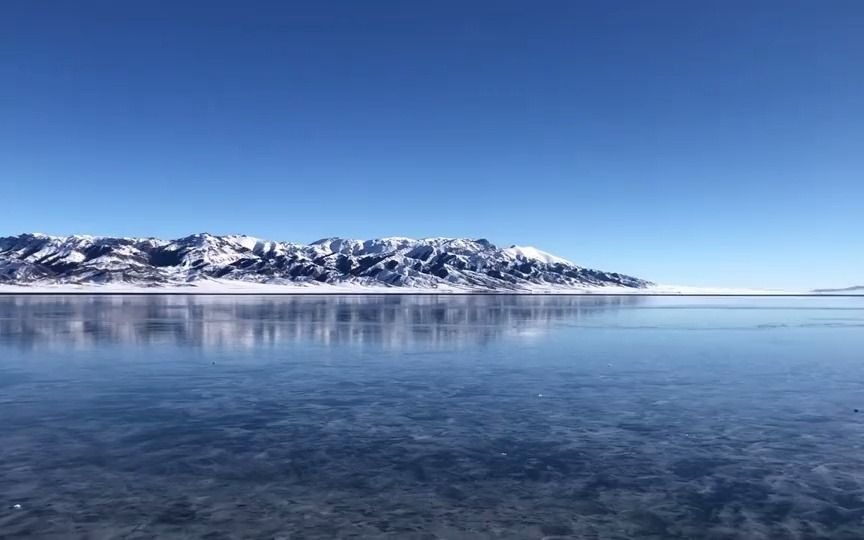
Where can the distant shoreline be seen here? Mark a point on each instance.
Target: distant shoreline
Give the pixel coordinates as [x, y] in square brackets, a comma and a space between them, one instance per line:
[223, 287]
[425, 293]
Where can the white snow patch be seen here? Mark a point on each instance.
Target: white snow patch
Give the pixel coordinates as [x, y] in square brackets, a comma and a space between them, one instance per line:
[74, 257]
[532, 253]
[248, 242]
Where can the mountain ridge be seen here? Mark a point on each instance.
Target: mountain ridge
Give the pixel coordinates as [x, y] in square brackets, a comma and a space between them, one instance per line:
[428, 263]
[853, 288]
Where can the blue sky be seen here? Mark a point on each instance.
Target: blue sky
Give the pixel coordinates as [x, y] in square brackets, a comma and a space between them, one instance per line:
[703, 143]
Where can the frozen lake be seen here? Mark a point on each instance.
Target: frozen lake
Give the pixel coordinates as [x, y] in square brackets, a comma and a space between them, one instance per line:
[424, 417]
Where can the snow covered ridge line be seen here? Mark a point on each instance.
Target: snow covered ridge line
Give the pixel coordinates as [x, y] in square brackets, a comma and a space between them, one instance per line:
[236, 263]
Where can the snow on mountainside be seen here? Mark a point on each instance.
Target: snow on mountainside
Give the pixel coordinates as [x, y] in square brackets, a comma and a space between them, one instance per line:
[431, 263]
[533, 253]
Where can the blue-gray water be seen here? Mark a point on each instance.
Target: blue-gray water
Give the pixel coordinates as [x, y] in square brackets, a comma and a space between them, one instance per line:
[431, 417]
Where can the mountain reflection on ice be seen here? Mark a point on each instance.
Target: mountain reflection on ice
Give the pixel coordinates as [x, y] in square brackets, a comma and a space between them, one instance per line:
[253, 321]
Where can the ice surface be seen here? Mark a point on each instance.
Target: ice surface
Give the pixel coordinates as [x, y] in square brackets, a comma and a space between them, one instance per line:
[419, 417]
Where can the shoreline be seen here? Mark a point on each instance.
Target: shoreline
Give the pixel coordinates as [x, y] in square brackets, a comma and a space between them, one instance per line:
[683, 295]
[97, 292]
[222, 287]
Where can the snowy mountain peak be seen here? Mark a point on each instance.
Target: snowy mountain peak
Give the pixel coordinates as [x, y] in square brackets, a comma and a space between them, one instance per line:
[452, 263]
[532, 253]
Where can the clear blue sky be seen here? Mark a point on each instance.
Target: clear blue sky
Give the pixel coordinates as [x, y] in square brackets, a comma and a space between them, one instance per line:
[704, 143]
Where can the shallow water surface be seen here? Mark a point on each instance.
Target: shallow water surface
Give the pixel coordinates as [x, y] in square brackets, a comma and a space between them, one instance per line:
[431, 417]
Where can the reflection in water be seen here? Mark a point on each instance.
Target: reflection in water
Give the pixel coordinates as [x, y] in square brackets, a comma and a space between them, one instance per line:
[246, 321]
[458, 418]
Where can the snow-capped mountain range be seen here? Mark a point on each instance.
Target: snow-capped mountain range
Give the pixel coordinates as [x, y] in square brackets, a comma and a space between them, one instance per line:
[453, 264]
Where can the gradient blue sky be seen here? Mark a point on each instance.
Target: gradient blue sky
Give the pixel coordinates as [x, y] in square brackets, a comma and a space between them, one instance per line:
[703, 143]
